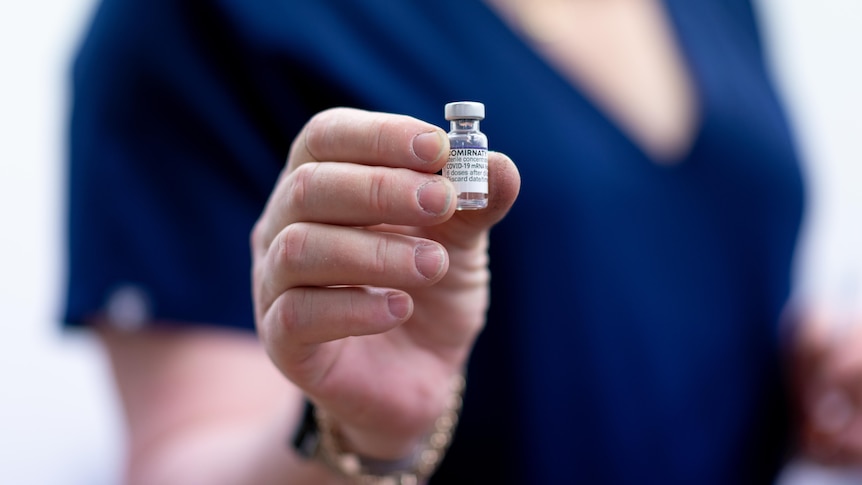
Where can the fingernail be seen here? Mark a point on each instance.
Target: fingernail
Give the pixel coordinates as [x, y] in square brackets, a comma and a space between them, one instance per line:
[434, 197]
[429, 146]
[399, 305]
[429, 260]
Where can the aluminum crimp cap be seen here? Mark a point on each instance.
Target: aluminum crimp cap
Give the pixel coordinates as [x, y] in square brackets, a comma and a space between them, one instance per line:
[461, 110]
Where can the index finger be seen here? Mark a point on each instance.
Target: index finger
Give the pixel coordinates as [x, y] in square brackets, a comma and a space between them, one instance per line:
[370, 138]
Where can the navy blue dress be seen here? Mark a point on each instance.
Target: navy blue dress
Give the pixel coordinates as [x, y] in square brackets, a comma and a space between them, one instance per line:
[633, 333]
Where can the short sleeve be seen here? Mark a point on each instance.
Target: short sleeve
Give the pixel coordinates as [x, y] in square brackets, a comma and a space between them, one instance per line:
[172, 154]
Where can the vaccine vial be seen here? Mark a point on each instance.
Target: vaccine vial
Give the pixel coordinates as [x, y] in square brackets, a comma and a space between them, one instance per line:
[467, 166]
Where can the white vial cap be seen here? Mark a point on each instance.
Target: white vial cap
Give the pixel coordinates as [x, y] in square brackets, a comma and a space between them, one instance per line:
[461, 110]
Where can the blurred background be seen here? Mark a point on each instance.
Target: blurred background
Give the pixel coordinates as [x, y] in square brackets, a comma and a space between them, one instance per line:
[59, 420]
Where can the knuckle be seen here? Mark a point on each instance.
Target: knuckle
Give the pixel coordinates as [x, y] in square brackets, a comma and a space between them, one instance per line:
[319, 130]
[292, 247]
[384, 136]
[298, 189]
[258, 272]
[378, 264]
[316, 132]
[287, 312]
[377, 192]
[256, 236]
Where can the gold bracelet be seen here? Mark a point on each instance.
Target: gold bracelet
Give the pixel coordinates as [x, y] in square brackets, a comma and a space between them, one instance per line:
[412, 470]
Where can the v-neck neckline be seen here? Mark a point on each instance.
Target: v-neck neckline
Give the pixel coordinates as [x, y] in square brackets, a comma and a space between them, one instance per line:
[688, 66]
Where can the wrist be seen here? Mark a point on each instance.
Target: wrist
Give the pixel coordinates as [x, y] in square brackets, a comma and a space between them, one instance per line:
[371, 444]
[405, 463]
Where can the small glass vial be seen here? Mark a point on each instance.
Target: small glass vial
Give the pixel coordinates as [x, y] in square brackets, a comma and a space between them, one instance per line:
[467, 167]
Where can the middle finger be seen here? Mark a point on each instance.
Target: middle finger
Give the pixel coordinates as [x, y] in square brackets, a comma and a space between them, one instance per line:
[308, 254]
[358, 195]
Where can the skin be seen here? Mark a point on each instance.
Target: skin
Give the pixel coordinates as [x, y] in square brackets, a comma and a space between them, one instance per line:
[369, 291]
[351, 318]
[826, 370]
[372, 246]
[600, 47]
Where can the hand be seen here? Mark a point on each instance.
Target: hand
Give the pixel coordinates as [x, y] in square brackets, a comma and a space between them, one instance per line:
[828, 377]
[369, 287]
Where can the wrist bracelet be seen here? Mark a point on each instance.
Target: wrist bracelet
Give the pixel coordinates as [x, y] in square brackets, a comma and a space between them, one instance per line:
[326, 445]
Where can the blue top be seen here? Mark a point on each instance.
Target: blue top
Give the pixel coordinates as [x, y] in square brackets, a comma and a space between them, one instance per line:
[633, 334]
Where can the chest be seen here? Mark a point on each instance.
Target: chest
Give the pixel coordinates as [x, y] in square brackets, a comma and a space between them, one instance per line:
[624, 56]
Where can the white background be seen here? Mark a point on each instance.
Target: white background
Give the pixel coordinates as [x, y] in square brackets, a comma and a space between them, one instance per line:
[59, 423]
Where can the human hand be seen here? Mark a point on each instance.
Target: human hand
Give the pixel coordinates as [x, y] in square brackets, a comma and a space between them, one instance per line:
[369, 288]
[827, 371]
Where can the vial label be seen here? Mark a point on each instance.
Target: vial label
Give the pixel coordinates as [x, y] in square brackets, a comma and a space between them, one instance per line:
[467, 168]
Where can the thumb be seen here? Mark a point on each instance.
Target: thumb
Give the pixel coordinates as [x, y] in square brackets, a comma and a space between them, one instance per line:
[504, 184]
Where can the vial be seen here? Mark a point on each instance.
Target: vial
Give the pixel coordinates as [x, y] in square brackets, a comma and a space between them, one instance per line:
[467, 166]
